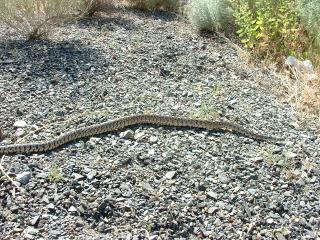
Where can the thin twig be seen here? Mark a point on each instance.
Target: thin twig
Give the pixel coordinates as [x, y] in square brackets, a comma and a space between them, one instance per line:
[4, 172]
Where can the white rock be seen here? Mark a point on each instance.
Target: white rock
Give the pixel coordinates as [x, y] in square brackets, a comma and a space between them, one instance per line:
[224, 178]
[212, 210]
[91, 174]
[139, 135]
[147, 186]
[77, 176]
[213, 195]
[269, 220]
[170, 174]
[128, 134]
[72, 209]
[20, 124]
[32, 231]
[289, 155]
[50, 206]
[19, 132]
[94, 140]
[151, 151]
[153, 139]
[252, 191]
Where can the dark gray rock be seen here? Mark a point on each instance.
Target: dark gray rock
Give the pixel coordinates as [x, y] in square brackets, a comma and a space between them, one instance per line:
[23, 177]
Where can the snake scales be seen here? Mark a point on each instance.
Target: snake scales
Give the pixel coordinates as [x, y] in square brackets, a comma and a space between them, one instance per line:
[124, 122]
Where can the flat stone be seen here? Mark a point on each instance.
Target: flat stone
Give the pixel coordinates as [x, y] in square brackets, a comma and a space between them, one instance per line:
[212, 210]
[212, 195]
[17, 230]
[32, 231]
[252, 191]
[289, 155]
[29, 236]
[55, 232]
[147, 186]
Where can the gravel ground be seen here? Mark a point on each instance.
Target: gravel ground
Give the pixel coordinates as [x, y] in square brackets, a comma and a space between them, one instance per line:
[150, 182]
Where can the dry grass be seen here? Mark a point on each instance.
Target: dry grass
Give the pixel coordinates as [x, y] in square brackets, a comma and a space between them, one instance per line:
[169, 5]
[299, 36]
[90, 7]
[304, 90]
[34, 19]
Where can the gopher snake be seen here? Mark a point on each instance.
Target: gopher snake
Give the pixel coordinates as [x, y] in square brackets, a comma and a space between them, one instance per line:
[130, 121]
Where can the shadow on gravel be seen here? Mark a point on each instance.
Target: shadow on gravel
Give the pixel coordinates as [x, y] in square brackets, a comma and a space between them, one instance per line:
[42, 59]
[156, 15]
[110, 23]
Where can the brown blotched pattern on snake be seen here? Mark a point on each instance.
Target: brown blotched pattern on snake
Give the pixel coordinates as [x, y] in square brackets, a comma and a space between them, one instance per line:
[124, 122]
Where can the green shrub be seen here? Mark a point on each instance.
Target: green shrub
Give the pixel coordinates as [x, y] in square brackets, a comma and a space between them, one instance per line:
[274, 29]
[309, 12]
[270, 27]
[209, 15]
[34, 19]
[55, 175]
[171, 5]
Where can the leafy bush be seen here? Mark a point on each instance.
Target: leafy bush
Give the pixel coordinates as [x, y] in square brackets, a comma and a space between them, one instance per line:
[34, 19]
[269, 27]
[309, 12]
[209, 15]
[274, 29]
[171, 5]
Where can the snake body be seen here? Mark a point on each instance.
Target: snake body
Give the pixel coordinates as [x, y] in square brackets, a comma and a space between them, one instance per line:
[124, 122]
